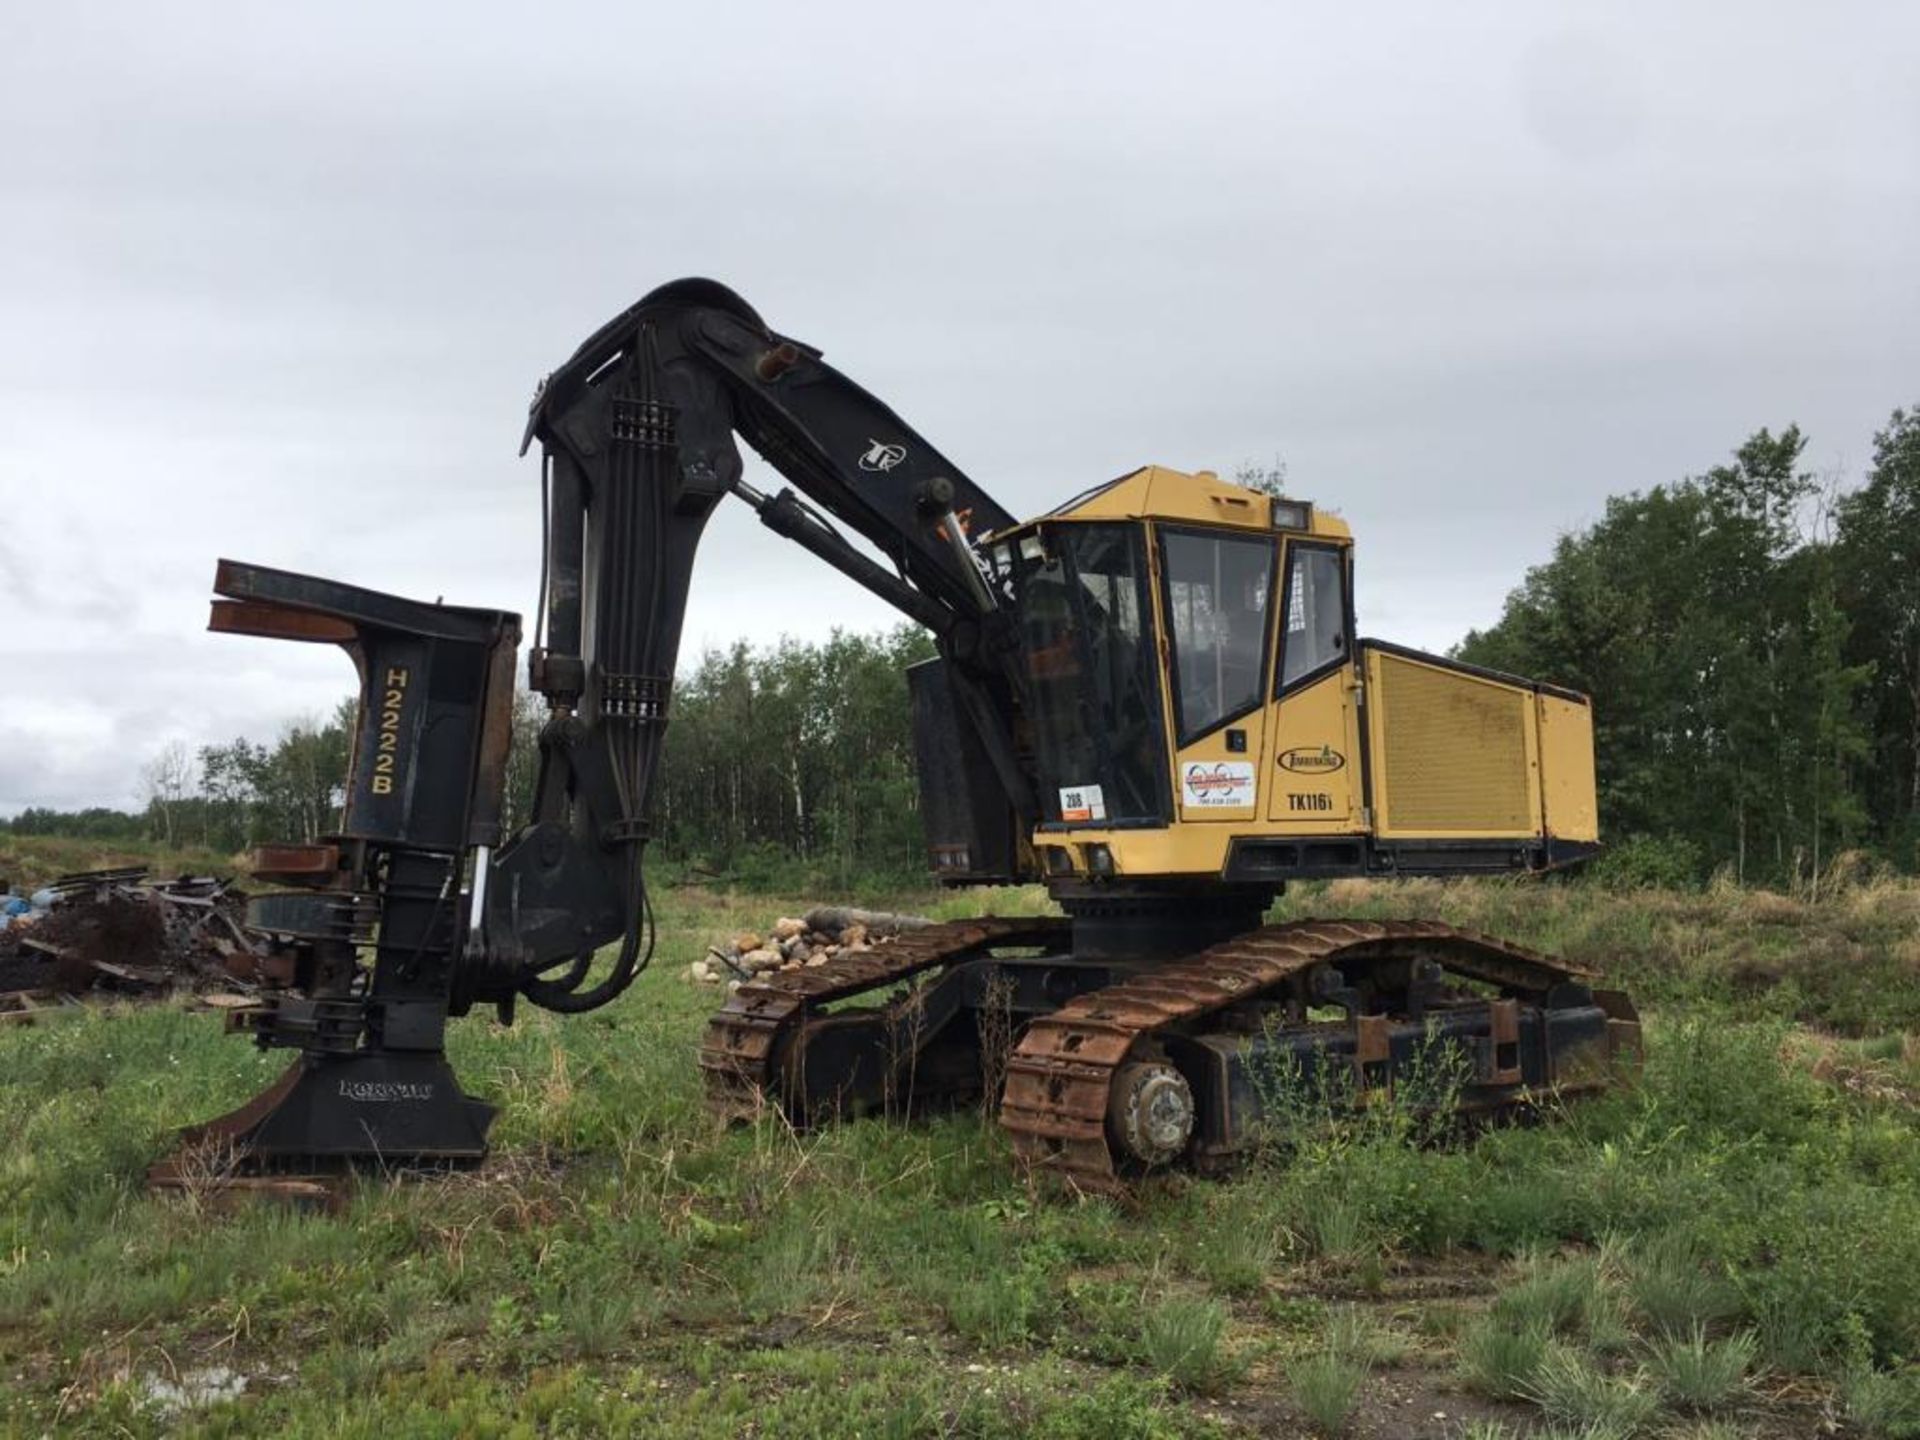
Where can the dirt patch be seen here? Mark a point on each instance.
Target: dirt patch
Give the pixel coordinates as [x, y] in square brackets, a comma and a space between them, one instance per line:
[1400, 1403]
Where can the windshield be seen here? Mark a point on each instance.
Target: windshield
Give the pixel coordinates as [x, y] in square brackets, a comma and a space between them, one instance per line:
[1092, 683]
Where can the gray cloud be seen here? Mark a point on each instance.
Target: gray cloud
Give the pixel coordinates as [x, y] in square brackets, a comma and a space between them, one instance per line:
[277, 285]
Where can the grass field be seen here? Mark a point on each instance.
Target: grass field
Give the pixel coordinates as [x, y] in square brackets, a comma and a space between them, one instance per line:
[1731, 1248]
[28, 861]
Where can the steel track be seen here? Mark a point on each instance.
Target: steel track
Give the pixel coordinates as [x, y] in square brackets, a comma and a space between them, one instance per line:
[761, 1025]
[1060, 1075]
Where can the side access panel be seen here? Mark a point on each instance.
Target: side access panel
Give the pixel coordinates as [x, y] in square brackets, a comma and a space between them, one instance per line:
[1566, 768]
[1454, 752]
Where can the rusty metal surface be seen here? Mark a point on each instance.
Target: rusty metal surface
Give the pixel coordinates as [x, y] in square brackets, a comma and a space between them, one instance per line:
[1626, 1048]
[294, 863]
[745, 1038]
[1503, 1042]
[1060, 1076]
[278, 622]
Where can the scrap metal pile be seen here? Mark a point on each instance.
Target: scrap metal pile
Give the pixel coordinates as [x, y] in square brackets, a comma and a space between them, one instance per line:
[122, 931]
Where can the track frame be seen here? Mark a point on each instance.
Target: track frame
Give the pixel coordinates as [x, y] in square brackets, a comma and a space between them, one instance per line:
[1525, 1025]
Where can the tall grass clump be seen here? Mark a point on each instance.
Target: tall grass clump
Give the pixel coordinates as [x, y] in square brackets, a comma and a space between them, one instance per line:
[1553, 1295]
[1326, 1382]
[1569, 1387]
[1500, 1361]
[1882, 1404]
[1673, 1291]
[1238, 1249]
[1698, 1373]
[1184, 1340]
[994, 1310]
[1325, 1385]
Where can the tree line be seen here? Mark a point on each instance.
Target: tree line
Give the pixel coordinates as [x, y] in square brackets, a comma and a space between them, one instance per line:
[1751, 640]
[800, 754]
[798, 750]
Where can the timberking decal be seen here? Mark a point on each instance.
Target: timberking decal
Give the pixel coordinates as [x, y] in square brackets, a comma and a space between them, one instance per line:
[1082, 802]
[881, 456]
[1312, 760]
[1218, 785]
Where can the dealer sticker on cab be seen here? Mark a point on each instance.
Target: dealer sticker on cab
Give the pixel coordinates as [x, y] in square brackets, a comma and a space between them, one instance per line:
[1082, 802]
[1217, 785]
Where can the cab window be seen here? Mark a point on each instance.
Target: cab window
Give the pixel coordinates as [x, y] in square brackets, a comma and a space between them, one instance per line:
[1313, 632]
[1217, 592]
[1093, 685]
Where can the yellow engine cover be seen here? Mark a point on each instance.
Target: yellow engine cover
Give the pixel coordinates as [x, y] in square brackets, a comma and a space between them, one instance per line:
[1456, 755]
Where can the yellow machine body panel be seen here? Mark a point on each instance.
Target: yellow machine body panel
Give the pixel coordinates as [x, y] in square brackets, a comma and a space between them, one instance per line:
[1315, 770]
[1293, 749]
[1455, 755]
[1200, 498]
[1566, 768]
[1214, 785]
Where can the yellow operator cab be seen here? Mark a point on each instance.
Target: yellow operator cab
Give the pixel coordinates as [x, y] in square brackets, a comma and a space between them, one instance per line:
[1200, 706]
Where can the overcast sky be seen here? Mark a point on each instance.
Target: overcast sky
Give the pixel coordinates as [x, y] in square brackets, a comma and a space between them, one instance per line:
[276, 283]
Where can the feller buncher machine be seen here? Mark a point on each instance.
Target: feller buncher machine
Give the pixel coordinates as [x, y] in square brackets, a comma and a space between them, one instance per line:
[1150, 699]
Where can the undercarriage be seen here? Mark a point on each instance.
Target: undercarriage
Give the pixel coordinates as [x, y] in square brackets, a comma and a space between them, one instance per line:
[1107, 1065]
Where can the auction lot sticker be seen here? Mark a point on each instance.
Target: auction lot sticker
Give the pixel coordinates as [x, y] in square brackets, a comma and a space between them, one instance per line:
[1082, 802]
[1217, 785]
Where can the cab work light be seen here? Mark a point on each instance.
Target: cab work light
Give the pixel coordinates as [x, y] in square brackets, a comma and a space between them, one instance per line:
[1292, 515]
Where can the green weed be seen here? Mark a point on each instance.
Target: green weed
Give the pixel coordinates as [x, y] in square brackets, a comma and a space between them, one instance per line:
[1788, 1337]
[995, 1310]
[596, 1321]
[1354, 1335]
[1553, 1295]
[1325, 1386]
[1699, 1373]
[1880, 1403]
[1569, 1387]
[1500, 1361]
[1238, 1252]
[1673, 1291]
[1341, 1232]
[1183, 1340]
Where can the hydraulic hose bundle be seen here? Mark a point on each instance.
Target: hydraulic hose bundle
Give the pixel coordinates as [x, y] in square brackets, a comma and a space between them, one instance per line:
[628, 495]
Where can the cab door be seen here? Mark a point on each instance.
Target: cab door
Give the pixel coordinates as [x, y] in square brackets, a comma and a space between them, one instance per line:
[1314, 774]
[1216, 594]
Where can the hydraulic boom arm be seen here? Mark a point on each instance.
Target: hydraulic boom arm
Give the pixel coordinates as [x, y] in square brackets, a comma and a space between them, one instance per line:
[638, 437]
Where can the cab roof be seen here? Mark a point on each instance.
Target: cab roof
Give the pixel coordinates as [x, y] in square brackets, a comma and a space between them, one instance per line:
[1155, 492]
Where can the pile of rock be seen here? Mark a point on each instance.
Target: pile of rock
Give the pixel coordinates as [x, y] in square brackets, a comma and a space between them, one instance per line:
[794, 943]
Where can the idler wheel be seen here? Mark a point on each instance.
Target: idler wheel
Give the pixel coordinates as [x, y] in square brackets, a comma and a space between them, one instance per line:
[1150, 1111]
